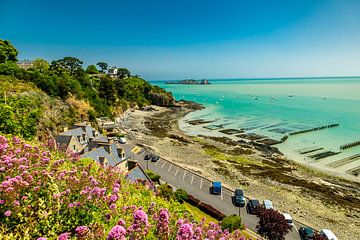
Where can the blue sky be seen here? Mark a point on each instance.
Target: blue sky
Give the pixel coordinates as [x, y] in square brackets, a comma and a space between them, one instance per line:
[168, 39]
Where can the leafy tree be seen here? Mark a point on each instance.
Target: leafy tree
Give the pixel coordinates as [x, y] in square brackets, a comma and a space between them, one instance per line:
[231, 223]
[123, 73]
[91, 69]
[103, 66]
[165, 191]
[7, 52]
[41, 65]
[272, 224]
[69, 64]
[107, 89]
[181, 195]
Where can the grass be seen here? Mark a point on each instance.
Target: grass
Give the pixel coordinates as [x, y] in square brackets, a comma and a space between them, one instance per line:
[231, 158]
[198, 214]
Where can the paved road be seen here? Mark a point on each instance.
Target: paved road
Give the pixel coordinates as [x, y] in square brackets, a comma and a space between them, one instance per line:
[199, 188]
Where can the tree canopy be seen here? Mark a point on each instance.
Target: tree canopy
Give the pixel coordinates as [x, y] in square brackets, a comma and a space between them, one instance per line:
[272, 224]
[41, 65]
[91, 69]
[123, 73]
[69, 64]
[7, 52]
[103, 66]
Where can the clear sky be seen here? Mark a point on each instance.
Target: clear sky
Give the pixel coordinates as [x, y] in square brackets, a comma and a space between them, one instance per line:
[168, 39]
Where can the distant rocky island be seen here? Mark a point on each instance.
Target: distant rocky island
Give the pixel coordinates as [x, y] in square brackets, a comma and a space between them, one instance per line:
[190, 81]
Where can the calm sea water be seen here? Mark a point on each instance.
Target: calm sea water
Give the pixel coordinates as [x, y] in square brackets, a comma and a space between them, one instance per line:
[276, 107]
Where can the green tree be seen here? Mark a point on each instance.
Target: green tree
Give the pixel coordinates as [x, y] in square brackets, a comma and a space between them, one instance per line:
[67, 64]
[123, 73]
[153, 176]
[7, 52]
[181, 195]
[41, 65]
[231, 223]
[107, 89]
[165, 191]
[103, 66]
[91, 69]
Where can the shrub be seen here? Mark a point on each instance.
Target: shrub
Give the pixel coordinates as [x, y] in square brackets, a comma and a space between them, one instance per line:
[208, 209]
[272, 224]
[181, 195]
[231, 223]
[153, 176]
[165, 191]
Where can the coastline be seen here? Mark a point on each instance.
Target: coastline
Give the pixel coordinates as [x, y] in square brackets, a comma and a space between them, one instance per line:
[314, 198]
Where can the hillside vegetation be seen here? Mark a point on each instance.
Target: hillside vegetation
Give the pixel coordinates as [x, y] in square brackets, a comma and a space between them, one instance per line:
[47, 194]
[64, 87]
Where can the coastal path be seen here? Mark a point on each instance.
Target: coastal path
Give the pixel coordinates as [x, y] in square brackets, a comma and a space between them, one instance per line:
[199, 187]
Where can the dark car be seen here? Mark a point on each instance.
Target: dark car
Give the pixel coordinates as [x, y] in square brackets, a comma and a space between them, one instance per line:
[306, 233]
[252, 206]
[239, 199]
[148, 157]
[155, 158]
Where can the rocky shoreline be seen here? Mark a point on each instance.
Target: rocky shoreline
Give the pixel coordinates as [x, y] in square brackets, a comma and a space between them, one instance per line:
[317, 199]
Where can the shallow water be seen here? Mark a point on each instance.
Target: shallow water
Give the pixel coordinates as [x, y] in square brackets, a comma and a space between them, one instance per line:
[276, 107]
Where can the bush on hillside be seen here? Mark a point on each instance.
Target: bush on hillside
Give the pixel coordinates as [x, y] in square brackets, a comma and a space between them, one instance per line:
[153, 176]
[181, 195]
[231, 223]
[165, 191]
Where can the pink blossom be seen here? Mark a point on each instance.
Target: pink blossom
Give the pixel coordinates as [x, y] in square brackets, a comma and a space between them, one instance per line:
[185, 232]
[7, 213]
[81, 230]
[64, 236]
[42, 238]
[117, 233]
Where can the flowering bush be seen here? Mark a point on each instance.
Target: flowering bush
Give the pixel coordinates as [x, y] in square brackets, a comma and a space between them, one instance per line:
[47, 194]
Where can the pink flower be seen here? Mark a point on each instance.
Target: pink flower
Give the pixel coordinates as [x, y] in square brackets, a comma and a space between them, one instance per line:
[64, 236]
[112, 207]
[7, 213]
[185, 232]
[2, 202]
[81, 230]
[42, 238]
[117, 233]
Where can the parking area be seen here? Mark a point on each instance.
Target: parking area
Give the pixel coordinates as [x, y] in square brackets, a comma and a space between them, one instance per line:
[199, 187]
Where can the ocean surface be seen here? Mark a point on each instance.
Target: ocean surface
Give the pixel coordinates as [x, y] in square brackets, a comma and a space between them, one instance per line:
[277, 107]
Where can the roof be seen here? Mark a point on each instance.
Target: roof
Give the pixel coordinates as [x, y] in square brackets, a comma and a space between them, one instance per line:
[137, 173]
[287, 216]
[63, 140]
[328, 233]
[100, 152]
[75, 131]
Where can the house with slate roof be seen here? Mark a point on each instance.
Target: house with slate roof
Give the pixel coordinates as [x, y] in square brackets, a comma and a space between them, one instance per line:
[77, 138]
[87, 141]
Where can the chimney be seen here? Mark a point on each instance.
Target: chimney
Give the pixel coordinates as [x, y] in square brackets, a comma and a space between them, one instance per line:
[121, 153]
[102, 160]
[131, 164]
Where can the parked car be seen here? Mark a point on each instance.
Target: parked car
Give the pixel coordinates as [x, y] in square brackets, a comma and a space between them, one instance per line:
[239, 199]
[306, 233]
[155, 158]
[267, 204]
[122, 140]
[252, 206]
[288, 219]
[215, 188]
[148, 157]
[328, 234]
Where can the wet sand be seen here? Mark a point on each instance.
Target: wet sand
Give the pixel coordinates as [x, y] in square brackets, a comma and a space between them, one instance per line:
[310, 196]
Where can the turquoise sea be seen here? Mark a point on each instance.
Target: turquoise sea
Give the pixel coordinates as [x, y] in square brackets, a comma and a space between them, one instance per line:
[277, 107]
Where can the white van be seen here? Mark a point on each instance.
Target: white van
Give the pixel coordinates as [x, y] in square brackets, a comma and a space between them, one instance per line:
[328, 234]
[288, 219]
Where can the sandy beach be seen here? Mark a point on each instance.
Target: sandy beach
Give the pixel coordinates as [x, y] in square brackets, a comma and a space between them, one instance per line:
[310, 196]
